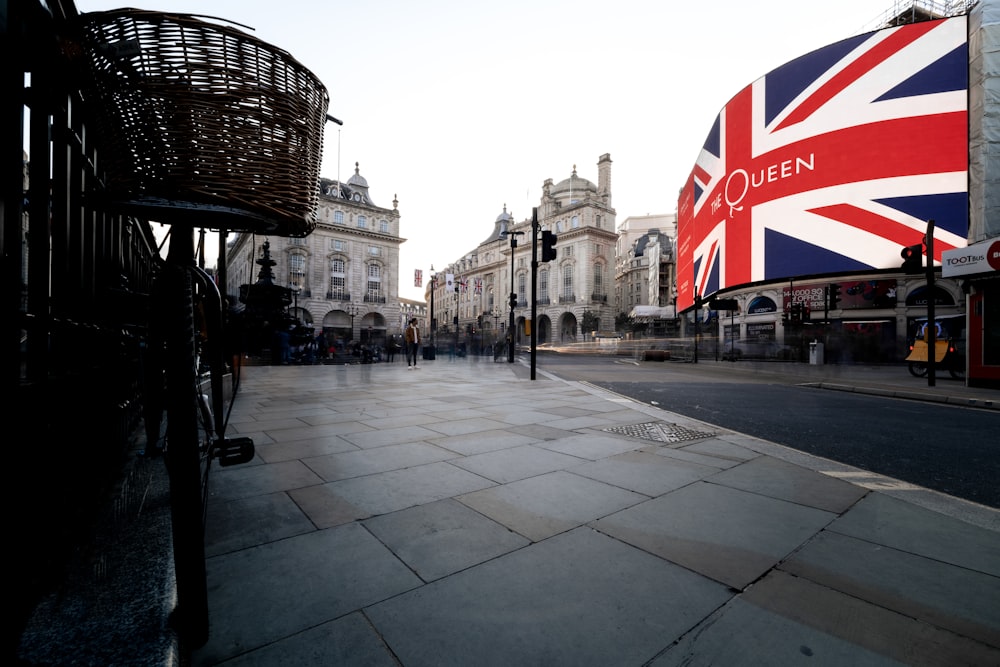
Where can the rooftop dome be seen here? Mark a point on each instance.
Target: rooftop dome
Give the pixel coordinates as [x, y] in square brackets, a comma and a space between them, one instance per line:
[505, 216]
[574, 184]
[503, 222]
[357, 180]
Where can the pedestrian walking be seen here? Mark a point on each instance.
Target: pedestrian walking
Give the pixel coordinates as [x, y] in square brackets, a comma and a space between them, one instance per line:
[412, 343]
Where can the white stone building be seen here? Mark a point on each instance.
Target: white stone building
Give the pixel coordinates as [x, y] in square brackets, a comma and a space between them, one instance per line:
[345, 274]
[573, 290]
[645, 262]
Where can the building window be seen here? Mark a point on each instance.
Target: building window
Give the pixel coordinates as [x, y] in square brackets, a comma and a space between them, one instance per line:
[575, 222]
[362, 221]
[296, 269]
[599, 279]
[543, 285]
[521, 291]
[338, 217]
[336, 244]
[567, 286]
[383, 226]
[567, 251]
[373, 250]
[338, 279]
[296, 241]
[373, 293]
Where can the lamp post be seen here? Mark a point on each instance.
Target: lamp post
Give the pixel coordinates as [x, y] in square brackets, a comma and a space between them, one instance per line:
[295, 289]
[504, 233]
[433, 321]
[352, 311]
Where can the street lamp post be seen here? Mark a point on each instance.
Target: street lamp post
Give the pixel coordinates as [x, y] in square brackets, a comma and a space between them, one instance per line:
[513, 295]
[295, 289]
[433, 321]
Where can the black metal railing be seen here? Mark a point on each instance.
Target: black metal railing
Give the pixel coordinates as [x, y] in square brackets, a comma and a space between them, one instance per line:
[75, 286]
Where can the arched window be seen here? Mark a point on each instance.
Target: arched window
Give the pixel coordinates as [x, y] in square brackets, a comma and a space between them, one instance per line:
[543, 286]
[521, 291]
[383, 226]
[567, 286]
[338, 217]
[598, 279]
[575, 222]
[362, 221]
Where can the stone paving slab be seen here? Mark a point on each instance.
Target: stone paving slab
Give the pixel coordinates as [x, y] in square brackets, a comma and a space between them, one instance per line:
[901, 525]
[357, 463]
[784, 620]
[778, 479]
[546, 505]
[514, 463]
[269, 592]
[349, 640]
[247, 522]
[644, 472]
[732, 536]
[443, 537]
[574, 599]
[915, 586]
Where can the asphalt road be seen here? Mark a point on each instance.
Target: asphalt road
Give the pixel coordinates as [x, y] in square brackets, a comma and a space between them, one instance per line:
[954, 450]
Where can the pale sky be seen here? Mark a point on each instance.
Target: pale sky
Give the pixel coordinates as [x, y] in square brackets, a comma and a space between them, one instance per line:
[459, 107]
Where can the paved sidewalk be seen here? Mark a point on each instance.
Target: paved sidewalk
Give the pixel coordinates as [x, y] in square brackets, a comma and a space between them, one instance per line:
[461, 514]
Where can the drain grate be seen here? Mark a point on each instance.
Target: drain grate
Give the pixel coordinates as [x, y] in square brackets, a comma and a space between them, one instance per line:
[659, 431]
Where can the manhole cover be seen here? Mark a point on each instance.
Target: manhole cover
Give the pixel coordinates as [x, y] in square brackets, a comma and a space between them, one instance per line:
[659, 431]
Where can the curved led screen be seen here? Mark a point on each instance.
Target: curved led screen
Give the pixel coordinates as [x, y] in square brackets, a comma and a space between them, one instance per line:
[832, 163]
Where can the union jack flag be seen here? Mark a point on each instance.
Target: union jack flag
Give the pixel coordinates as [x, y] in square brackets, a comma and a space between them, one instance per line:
[478, 286]
[832, 163]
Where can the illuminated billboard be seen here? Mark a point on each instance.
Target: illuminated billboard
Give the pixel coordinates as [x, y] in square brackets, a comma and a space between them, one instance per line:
[832, 163]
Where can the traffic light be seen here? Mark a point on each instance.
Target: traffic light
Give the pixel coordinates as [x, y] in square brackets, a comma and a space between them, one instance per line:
[913, 258]
[833, 296]
[513, 300]
[548, 245]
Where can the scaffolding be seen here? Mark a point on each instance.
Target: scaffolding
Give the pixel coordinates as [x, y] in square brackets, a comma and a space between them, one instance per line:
[905, 12]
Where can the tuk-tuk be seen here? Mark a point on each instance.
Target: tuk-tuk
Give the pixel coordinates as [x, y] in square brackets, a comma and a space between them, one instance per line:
[949, 354]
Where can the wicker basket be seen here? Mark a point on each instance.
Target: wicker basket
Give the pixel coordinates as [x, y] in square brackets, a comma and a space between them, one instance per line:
[201, 123]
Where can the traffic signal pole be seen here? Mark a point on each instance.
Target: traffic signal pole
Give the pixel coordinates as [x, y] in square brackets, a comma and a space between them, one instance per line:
[931, 323]
[534, 293]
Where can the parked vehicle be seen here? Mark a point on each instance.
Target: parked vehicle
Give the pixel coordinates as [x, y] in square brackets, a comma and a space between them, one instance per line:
[949, 347]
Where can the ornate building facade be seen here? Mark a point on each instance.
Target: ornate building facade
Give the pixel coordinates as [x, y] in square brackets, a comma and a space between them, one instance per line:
[573, 291]
[344, 276]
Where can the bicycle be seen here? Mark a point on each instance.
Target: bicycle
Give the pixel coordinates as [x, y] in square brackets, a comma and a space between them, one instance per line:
[186, 332]
[195, 138]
